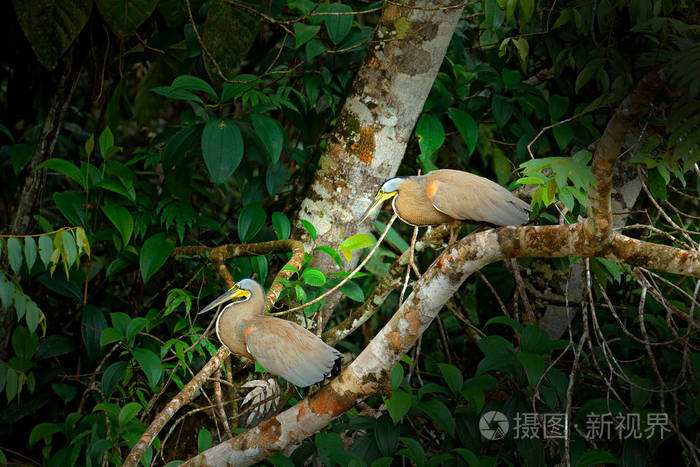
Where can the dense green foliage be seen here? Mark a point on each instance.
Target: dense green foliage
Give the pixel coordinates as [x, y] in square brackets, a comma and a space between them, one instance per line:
[155, 150]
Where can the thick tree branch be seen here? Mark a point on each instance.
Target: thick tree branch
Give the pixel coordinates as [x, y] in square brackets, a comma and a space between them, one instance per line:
[53, 122]
[369, 372]
[607, 150]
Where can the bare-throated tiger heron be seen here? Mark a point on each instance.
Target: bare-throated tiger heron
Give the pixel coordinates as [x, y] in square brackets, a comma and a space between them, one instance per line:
[444, 196]
[283, 348]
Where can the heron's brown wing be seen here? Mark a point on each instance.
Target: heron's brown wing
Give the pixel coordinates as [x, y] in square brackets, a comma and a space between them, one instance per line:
[466, 196]
[288, 350]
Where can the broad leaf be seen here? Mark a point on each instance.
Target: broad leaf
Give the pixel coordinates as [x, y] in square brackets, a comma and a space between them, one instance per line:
[125, 16]
[430, 134]
[122, 220]
[467, 127]
[51, 26]
[222, 148]
[150, 365]
[339, 25]
[154, 252]
[398, 405]
[250, 221]
[270, 133]
[304, 33]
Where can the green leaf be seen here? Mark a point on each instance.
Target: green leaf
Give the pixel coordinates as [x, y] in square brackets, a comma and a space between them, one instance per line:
[534, 366]
[453, 377]
[597, 456]
[329, 445]
[125, 16]
[70, 203]
[45, 249]
[135, 326]
[430, 134]
[14, 253]
[109, 336]
[467, 127]
[91, 326]
[356, 242]
[24, 342]
[502, 110]
[527, 7]
[229, 33]
[222, 148]
[70, 248]
[313, 277]
[413, 450]
[510, 77]
[32, 315]
[332, 253]
[111, 377]
[280, 460]
[558, 105]
[128, 412]
[563, 134]
[260, 267]
[309, 228]
[20, 154]
[585, 76]
[270, 133]
[66, 168]
[398, 405]
[275, 178]
[43, 430]
[154, 252]
[150, 365]
[304, 33]
[353, 291]
[656, 184]
[53, 346]
[106, 142]
[440, 414]
[250, 221]
[64, 391]
[30, 252]
[314, 48]
[193, 83]
[281, 224]
[179, 143]
[469, 456]
[338, 26]
[122, 220]
[52, 26]
[386, 434]
[534, 339]
[204, 440]
[7, 292]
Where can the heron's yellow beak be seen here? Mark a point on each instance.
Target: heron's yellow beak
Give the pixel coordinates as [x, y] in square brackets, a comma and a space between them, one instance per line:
[233, 292]
[378, 200]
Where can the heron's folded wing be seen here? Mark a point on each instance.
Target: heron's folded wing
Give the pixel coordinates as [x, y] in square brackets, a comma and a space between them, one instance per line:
[290, 351]
[466, 196]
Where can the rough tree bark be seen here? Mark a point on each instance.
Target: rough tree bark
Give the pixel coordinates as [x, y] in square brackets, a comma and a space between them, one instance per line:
[369, 372]
[377, 119]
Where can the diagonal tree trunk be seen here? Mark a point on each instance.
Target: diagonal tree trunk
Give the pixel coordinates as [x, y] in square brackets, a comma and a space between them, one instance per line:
[377, 120]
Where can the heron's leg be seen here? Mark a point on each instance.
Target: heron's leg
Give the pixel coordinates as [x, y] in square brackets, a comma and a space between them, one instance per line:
[411, 264]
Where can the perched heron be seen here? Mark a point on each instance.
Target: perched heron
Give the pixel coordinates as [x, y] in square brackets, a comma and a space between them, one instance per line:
[444, 196]
[283, 348]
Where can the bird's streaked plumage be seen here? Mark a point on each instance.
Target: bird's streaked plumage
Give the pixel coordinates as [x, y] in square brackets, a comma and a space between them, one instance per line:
[445, 195]
[280, 346]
